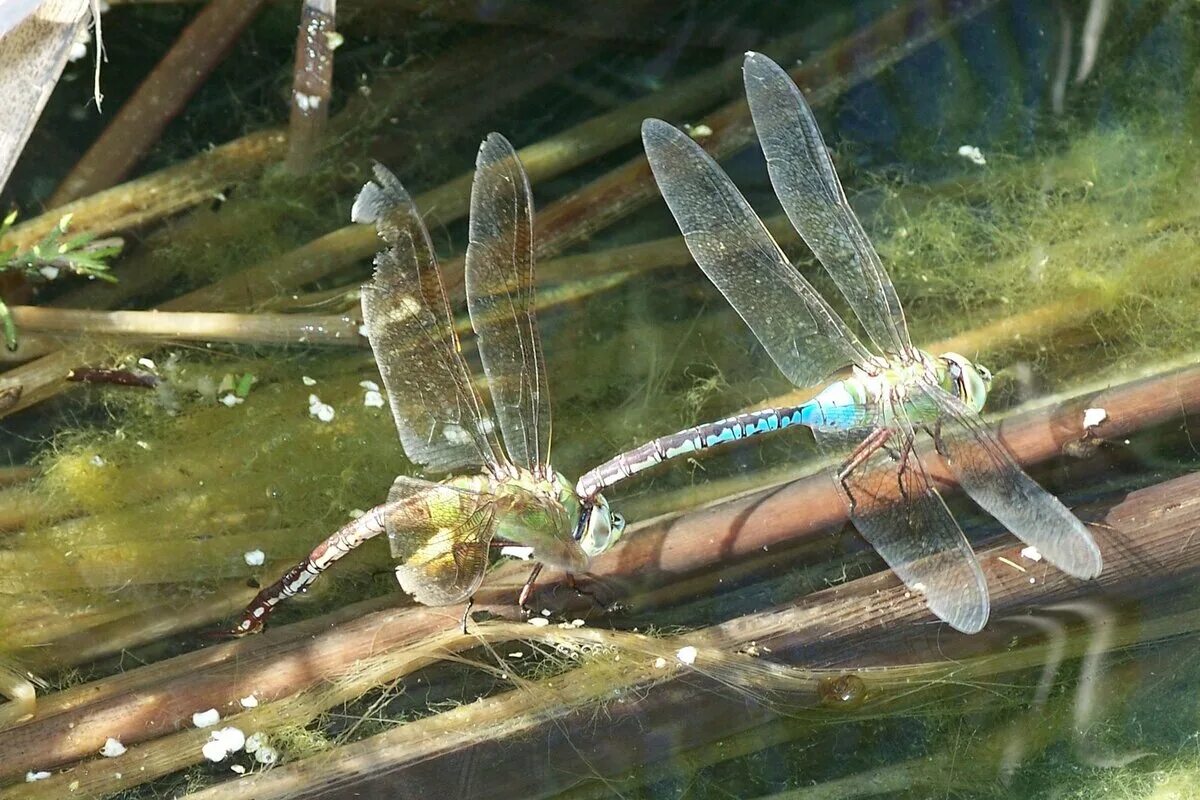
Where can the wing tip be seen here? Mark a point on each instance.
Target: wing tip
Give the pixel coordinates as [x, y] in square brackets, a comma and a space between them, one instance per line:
[378, 197]
[965, 619]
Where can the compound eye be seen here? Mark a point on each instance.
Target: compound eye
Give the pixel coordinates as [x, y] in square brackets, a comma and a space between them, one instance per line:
[618, 522]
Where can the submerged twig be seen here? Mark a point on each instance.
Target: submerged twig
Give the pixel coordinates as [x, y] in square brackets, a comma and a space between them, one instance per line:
[311, 92]
[340, 329]
[114, 377]
[162, 95]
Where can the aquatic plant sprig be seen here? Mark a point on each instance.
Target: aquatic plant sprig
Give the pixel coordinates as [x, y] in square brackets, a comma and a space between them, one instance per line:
[56, 253]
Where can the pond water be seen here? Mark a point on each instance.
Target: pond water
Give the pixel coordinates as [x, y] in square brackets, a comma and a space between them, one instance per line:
[1026, 172]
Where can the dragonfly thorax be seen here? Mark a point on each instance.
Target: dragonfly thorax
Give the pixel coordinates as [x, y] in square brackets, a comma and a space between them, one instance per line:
[544, 513]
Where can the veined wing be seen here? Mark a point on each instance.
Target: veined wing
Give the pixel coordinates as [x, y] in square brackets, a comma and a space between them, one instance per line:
[500, 298]
[988, 473]
[802, 334]
[439, 536]
[896, 508]
[439, 417]
[808, 187]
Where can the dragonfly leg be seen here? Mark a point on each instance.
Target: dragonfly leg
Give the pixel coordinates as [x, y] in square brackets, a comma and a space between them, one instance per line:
[467, 613]
[901, 457]
[865, 449]
[935, 433]
[527, 589]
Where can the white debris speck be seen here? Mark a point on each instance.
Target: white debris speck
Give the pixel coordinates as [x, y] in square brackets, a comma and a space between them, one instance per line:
[206, 719]
[660, 663]
[249, 701]
[516, 654]
[307, 102]
[918, 587]
[687, 655]
[214, 751]
[1093, 417]
[373, 399]
[112, 748]
[545, 612]
[1031, 553]
[222, 743]
[230, 400]
[1033, 580]
[49, 273]
[307, 381]
[700, 131]
[34, 777]
[362, 331]
[972, 154]
[370, 386]
[266, 754]
[146, 363]
[319, 410]
[333, 40]
[255, 741]
[577, 623]
[143, 445]
[238, 768]
[97, 461]
[517, 551]
[539, 622]
[355, 513]
[254, 558]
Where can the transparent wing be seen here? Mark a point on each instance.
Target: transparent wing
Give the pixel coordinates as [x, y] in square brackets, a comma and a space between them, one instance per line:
[988, 473]
[896, 508]
[439, 417]
[808, 187]
[802, 334]
[500, 298]
[440, 537]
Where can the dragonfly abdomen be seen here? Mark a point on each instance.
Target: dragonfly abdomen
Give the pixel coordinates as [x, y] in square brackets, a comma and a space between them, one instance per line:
[691, 440]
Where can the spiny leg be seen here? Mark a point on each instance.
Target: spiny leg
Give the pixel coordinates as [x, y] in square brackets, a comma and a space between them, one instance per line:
[906, 450]
[865, 449]
[527, 589]
[467, 613]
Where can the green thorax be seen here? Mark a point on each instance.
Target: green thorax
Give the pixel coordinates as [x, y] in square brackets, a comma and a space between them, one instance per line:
[535, 512]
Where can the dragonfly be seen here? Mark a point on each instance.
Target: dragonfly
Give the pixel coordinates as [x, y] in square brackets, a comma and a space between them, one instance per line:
[442, 534]
[869, 420]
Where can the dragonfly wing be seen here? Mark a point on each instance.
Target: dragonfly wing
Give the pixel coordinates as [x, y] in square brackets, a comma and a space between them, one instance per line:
[988, 473]
[802, 334]
[500, 298]
[896, 508]
[808, 187]
[439, 417]
[440, 536]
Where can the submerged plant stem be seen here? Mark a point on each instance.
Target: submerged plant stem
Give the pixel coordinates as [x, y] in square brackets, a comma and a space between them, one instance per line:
[194, 325]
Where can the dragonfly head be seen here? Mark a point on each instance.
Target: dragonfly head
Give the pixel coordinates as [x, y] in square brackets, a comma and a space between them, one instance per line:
[969, 382]
[598, 527]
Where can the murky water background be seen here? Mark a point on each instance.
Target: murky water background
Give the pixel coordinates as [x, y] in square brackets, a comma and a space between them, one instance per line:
[1026, 170]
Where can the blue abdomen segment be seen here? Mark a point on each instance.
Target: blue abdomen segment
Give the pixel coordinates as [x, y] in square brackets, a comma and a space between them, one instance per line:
[834, 408]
